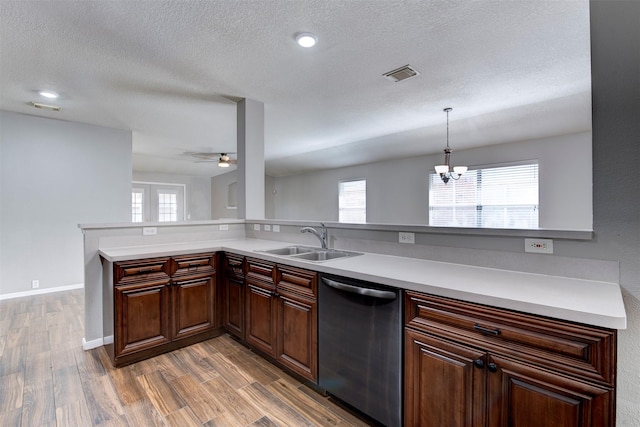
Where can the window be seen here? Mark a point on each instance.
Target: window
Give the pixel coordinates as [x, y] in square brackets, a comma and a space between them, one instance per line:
[137, 205]
[167, 207]
[352, 201]
[492, 197]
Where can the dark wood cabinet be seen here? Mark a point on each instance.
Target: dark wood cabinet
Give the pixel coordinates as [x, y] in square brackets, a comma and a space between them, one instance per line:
[298, 321]
[161, 304]
[234, 294]
[281, 315]
[473, 365]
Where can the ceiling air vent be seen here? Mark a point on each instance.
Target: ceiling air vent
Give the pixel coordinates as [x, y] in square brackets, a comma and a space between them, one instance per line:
[45, 106]
[401, 73]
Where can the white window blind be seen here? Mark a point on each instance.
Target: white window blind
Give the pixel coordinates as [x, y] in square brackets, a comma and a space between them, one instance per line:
[496, 197]
[352, 201]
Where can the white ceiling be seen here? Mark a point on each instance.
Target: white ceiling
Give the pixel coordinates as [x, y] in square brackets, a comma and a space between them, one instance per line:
[171, 70]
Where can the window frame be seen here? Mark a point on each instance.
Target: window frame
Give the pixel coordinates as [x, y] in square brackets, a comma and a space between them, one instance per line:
[342, 217]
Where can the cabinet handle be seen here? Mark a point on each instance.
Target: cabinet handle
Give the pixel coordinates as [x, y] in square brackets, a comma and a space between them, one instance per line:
[478, 363]
[492, 367]
[494, 332]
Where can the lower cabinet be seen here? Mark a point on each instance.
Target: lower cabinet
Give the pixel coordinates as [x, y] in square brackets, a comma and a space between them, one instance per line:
[162, 304]
[234, 294]
[281, 315]
[471, 365]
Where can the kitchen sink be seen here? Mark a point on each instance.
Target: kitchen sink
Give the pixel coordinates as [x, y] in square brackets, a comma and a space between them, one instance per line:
[325, 255]
[289, 250]
[309, 253]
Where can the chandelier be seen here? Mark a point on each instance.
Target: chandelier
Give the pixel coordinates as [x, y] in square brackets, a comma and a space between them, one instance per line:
[445, 170]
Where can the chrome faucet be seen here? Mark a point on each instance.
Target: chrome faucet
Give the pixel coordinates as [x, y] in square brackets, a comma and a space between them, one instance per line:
[322, 236]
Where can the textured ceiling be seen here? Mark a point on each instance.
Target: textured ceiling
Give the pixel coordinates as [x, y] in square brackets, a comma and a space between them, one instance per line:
[170, 70]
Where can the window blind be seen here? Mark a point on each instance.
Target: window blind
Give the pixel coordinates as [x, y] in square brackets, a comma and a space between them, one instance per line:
[495, 197]
[352, 201]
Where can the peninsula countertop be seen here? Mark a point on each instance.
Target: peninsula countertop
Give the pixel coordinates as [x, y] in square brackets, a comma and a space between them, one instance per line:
[584, 301]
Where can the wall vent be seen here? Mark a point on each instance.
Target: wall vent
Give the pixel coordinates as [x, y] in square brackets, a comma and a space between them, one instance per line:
[401, 73]
[45, 106]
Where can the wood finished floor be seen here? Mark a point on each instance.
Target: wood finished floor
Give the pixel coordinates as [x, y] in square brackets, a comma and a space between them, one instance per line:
[46, 379]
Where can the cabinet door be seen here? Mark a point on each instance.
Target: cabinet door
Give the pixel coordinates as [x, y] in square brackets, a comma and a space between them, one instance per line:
[298, 345]
[520, 395]
[141, 317]
[234, 306]
[261, 316]
[443, 385]
[193, 306]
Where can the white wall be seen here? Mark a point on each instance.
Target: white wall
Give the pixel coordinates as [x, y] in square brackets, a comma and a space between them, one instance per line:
[198, 191]
[220, 195]
[398, 190]
[55, 175]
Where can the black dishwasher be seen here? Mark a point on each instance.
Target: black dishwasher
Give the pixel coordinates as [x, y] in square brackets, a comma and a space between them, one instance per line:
[360, 346]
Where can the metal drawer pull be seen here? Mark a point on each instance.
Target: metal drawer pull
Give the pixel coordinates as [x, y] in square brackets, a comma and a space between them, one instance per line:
[479, 328]
[376, 293]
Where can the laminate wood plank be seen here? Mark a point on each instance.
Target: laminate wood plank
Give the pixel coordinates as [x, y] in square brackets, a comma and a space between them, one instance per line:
[38, 404]
[160, 393]
[225, 419]
[102, 400]
[183, 417]
[197, 365]
[19, 321]
[264, 422]
[127, 386]
[144, 414]
[278, 410]
[246, 363]
[73, 414]
[18, 337]
[197, 397]
[3, 342]
[13, 360]
[62, 358]
[67, 387]
[233, 403]
[170, 366]
[303, 404]
[38, 342]
[12, 391]
[11, 418]
[37, 368]
[223, 345]
[234, 376]
[269, 367]
[350, 419]
[89, 365]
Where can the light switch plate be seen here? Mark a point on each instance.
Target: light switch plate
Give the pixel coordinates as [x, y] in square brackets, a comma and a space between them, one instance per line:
[256, 227]
[276, 228]
[404, 237]
[538, 246]
[267, 227]
[223, 227]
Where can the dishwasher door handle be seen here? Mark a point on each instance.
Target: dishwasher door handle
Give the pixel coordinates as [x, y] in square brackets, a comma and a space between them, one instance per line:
[376, 293]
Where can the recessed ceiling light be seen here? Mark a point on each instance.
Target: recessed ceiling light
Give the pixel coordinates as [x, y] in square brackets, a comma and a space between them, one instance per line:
[306, 39]
[48, 94]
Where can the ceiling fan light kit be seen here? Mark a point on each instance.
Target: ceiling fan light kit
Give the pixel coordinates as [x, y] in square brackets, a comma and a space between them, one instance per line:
[445, 171]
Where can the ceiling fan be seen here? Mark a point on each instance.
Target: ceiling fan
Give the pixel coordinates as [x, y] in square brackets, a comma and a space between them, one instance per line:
[223, 159]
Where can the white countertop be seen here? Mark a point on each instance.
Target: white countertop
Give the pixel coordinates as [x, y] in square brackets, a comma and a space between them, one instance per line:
[584, 301]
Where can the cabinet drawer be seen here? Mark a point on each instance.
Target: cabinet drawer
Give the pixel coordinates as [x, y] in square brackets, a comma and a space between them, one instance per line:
[145, 269]
[196, 264]
[260, 270]
[234, 266]
[571, 348]
[297, 281]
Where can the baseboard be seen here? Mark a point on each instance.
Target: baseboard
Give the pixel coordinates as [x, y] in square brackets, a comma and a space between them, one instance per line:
[33, 292]
[88, 345]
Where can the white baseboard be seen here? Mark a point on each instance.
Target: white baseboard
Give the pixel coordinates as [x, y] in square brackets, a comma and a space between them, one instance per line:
[41, 291]
[88, 345]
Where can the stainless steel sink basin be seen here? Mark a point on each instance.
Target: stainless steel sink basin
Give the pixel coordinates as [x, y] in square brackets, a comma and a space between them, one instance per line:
[309, 253]
[289, 250]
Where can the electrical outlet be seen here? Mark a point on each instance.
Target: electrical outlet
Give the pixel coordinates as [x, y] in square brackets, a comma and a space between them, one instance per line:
[149, 231]
[538, 246]
[256, 227]
[406, 237]
[223, 227]
[276, 228]
[35, 284]
[267, 227]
